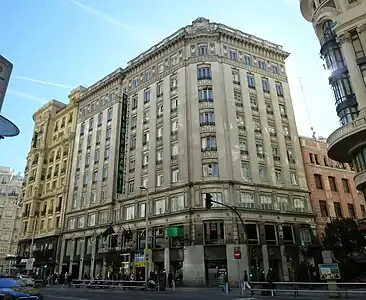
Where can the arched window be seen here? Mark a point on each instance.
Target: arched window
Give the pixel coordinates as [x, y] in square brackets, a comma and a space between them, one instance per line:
[52, 155]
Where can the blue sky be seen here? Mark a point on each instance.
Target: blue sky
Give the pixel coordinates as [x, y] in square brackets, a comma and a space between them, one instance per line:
[60, 44]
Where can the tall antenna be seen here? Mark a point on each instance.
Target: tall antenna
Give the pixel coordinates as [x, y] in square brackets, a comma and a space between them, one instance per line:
[307, 110]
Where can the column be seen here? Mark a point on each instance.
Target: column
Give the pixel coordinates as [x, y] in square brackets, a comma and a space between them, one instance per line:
[72, 256]
[283, 254]
[92, 263]
[166, 252]
[62, 253]
[358, 83]
[81, 265]
[263, 242]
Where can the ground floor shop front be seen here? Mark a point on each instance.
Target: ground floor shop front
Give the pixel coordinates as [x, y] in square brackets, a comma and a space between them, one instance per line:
[199, 265]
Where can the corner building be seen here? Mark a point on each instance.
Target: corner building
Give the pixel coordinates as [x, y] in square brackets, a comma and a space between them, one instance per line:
[341, 29]
[44, 190]
[333, 193]
[210, 112]
[92, 181]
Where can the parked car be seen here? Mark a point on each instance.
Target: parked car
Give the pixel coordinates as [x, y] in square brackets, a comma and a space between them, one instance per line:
[28, 279]
[15, 288]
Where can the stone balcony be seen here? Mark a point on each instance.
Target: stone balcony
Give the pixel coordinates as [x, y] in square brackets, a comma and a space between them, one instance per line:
[345, 138]
[360, 180]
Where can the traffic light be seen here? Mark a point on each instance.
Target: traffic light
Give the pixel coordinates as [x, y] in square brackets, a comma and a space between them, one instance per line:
[209, 202]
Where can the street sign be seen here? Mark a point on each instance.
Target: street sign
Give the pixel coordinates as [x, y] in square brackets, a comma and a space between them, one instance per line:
[237, 254]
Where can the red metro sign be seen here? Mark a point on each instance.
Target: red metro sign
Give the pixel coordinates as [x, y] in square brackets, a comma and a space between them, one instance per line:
[237, 254]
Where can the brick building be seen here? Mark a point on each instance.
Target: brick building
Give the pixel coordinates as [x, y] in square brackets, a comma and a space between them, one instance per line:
[332, 190]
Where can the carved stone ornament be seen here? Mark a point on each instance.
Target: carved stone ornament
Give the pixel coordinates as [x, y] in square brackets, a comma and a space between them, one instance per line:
[225, 50]
[361, 28]
[153, 70]
[212, 48]
[344, 37]
[167, 62]
[180, 53]
[193, 49]
[201, 25]
[240, 55]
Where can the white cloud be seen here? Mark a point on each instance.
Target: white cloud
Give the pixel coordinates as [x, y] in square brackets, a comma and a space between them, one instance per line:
[64, 86]
[26, 96]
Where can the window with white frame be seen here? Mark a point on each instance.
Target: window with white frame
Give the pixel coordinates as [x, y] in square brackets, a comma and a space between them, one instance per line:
[160, 110]
[245, 171]
[93, 196]
[174, 104]
[105, 172]
[266, 202]
[159, 207]
[144, 181]
[71, 223]
[176, 202]
[208, 143]
[145, 138]
[293, 177]
[202, 49]
[174, 126]
[159, 155]
[103, 217]
[147, 96]
[81, 222]
[175, 175]
[216, 196]
[159, 180]
[131, 186]
[283, 203]
[142, 210]
[246, 199]
[173, 82]
[278, 176]
[145, 159]
[130, 212]
[299, 205]
[74, 201]
[91, 220]
[175, 150]
[159, 132]
[135, 82]
[146, 116]
[233, 54]
[210, 170]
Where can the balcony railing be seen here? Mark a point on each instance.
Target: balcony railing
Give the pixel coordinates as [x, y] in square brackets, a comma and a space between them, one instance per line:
[344, 130]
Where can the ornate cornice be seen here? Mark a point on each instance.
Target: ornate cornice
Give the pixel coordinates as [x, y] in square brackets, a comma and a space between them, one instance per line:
[361, 28]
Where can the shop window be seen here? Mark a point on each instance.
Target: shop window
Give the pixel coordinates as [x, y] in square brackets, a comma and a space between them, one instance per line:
[252, 234]
[270, 233]
[288, 234]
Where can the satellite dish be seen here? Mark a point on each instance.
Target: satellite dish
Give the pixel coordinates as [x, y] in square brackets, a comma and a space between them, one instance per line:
[7, 128]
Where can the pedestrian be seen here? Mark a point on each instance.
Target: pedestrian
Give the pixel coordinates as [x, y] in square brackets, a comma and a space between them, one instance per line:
[246, 281]
[225, 286]
[170, 279]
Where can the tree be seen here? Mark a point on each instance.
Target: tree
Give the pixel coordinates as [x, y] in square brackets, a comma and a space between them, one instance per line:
[347, 242]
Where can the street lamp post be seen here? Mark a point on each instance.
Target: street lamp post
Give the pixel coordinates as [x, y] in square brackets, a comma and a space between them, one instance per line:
[146, 233]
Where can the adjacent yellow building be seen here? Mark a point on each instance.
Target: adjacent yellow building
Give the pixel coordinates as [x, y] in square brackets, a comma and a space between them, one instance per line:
[45, 185]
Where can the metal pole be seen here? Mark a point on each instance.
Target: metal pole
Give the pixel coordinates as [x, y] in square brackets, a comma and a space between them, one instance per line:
[146, 237]
[32, 243]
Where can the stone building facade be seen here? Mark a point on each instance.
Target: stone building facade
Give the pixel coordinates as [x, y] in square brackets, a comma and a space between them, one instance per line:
[209, 111]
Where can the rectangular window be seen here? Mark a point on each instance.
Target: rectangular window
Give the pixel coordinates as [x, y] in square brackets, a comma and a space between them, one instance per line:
[100, 119]
[91, 123]
[159, 155]
[130, 212]
[175, 175]
[135, 82]
[147, 96]
[142, 210]
[176, 203]
[318, 181]
[265, 85]
[247, 59]
[159, 89]
[173, 104]
[205, 94]
[279, 89]
[323, 208]
[357, 46]
[208, 143]
[245, 171]
[159, 207]
[210, 170]
[110, 114]
[262, 64]
[108, 134]
[105, 172]
[173, 82]
[246, 200]
[233, 54]
[251, 81]
[174, 127]
[147, 75]
[145, 138]
[236, 77]
[175, 150]
[332, 183]
[204, 72]
[345, 184]
[351, 211]
[207, 118]
[337, 209]
[202, 50]
[134, 102]
[159, 180]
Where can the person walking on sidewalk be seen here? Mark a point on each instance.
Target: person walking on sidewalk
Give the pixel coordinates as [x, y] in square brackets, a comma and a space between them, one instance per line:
[246, 281]
[225, 286]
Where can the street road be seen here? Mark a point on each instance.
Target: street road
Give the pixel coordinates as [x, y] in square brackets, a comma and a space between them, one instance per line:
[64, 293]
